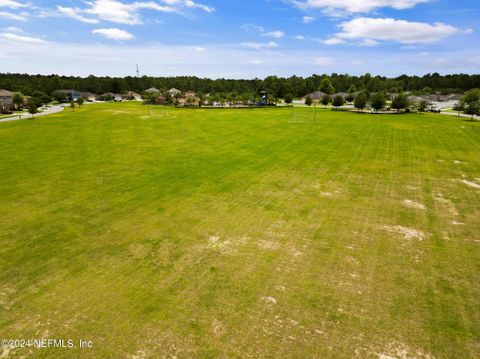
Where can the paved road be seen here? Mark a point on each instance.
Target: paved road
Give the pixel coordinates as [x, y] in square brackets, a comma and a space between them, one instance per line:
[461, 115]
[48, 111]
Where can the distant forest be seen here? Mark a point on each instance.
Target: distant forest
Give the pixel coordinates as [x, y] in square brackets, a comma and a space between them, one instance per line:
[276, 86]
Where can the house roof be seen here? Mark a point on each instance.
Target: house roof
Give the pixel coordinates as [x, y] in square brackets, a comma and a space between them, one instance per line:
[317, 95]
[342, 94]
[152, 89]
[418, 98]
[68, 91]
[6, 93]
[174, 90]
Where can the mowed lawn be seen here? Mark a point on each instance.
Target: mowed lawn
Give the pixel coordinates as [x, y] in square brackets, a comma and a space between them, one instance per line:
[240, 234]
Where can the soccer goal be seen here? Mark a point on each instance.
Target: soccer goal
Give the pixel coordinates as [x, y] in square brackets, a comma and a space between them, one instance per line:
[158, 112]
[305, 114]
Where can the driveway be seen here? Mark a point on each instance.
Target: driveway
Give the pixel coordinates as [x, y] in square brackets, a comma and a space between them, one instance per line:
[23, 116]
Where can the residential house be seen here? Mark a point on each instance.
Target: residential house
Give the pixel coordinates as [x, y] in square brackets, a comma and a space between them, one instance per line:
[71, 95]
[132, 96]
[181, 100]
[157, 100]
[190, 94]
[88, 96]
[152, 90]
[6, 100]
[190, 98]
[315, 96]
[174, 92]
[107, 96]
[341, 94]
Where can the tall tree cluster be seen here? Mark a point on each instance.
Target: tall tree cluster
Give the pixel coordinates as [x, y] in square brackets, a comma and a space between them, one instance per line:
[274, 85]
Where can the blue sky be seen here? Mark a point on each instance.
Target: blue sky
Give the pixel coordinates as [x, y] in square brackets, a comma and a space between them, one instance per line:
[239, 39]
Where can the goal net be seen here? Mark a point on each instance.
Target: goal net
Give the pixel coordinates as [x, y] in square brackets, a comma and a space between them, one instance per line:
[304, 114]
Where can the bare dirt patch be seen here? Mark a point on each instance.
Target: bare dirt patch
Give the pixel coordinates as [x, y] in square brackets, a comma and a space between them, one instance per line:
[138, 251]
[269, 300]
[6, 294]
[269, 245]
[141, 354]
[218, 328]
[117, 112]
[407, 233]
[446, 204]
[226, 246]
[471, 184]
[412, 204]
[5, 353]
[401, 351]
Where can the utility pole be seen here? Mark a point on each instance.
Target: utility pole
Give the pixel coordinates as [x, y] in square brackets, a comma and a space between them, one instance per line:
[138, 71]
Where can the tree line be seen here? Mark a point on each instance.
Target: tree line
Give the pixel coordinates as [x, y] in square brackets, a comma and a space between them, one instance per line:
[278, 87]
[469, 104]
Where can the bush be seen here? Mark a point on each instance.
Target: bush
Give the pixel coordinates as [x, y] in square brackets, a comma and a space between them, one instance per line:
[378, 101]
[59, 96]
[338, 101]
[422, 106]
[361, 101]
[325, 100]
[400, 102]
[308, 101]
[288, 98]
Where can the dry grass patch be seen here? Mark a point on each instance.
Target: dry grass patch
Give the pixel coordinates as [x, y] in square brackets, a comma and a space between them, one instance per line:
[406, 233]
[412, 204]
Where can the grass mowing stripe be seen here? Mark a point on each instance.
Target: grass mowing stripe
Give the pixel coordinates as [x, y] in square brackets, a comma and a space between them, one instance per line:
[239, 233]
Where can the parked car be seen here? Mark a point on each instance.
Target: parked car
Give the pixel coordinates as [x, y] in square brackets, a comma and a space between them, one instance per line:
[434, 109]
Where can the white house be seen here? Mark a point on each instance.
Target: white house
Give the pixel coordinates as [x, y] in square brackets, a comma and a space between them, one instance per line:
[6, 99]
[174, 92]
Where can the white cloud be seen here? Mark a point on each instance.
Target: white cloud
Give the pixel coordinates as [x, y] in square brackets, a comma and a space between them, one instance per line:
[74, 14]
[13, 29]
[308, 19]
[220, 61]
[253, 62]
[12, 4]
[332, 7]
[125, 13]
[333, 41]
[21, 38]
[274, 34]
[260, 45]
[368, 43]
[121, 13]
[253, 27]
[474, 61]
[299, 37]
[114, 34]
[323, 61]
[191, 4]
[11, 16]
[388, 29]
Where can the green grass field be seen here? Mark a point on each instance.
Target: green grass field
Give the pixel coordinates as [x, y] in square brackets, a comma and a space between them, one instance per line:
[240, 234]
